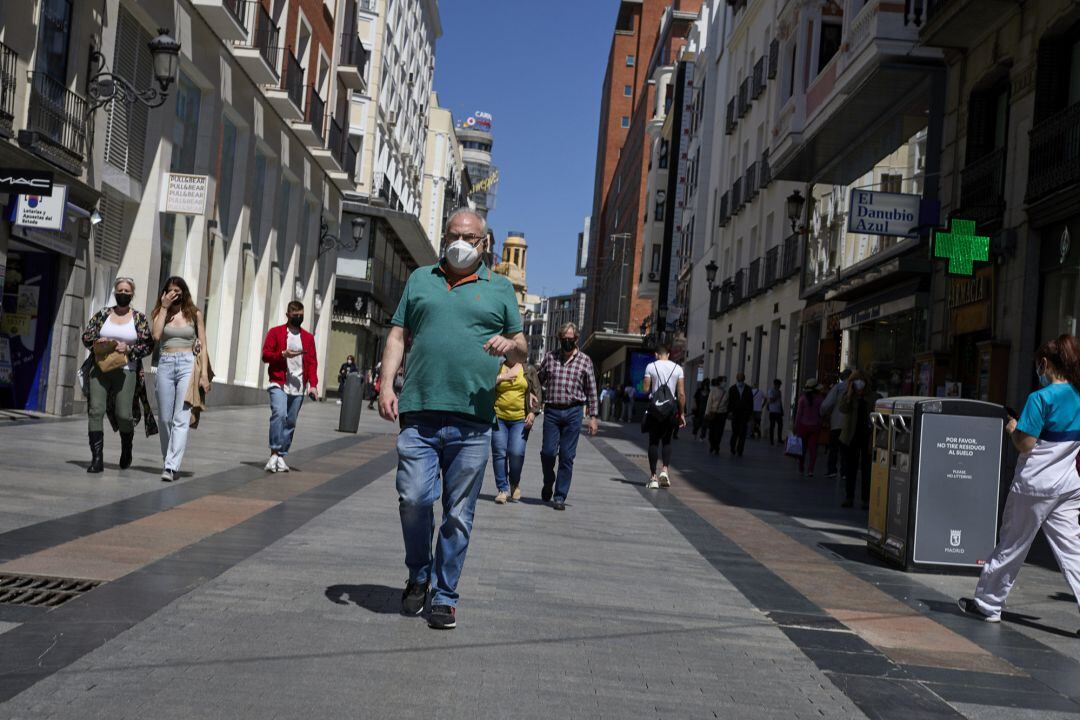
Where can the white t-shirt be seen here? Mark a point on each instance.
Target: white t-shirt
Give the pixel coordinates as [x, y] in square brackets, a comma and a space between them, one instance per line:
[120, 333]
[663, 371]
[294, 375]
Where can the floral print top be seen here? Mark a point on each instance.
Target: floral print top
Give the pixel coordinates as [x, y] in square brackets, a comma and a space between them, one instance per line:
[142, 347]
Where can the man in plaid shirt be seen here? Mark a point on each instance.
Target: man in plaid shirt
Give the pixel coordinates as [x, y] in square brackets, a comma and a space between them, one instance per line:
[569, 384]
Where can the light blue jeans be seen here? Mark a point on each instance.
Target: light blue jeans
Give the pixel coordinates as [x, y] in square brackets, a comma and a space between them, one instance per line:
[284, 409]
[507, 452]
[439, 454]
[174, 415]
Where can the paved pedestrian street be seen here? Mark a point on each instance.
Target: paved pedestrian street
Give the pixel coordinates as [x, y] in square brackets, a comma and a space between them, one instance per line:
[744, 591]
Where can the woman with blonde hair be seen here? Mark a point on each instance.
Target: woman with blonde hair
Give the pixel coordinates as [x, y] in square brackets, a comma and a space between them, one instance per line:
[178, 327]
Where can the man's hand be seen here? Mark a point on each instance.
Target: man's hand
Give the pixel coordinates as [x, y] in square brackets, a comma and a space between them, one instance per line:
[313, 394]
[594, 425]
[388, 409]
[286, 353]
[499, 346]
[682, 420]
[529, 420]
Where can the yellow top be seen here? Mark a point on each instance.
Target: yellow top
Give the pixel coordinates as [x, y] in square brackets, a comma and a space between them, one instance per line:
[510, 397]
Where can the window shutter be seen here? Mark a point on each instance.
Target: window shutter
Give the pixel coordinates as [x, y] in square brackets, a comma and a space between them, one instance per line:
[125, 132]
[109, 239]
[1049, 75]
[774, 58]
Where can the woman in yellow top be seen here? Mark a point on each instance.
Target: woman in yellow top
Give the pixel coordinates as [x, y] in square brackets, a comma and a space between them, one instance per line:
[517, 396]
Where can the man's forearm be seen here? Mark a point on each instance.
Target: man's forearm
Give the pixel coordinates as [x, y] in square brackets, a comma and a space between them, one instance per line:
[392, 355]
[520, 352]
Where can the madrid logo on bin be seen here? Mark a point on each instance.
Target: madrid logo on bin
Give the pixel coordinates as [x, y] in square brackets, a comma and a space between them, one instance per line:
[954, 538]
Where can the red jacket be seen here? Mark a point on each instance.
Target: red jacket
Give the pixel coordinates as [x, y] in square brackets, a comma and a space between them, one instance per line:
[276, 342]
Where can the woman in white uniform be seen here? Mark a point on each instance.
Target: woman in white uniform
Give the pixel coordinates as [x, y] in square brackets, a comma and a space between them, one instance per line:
[1046, 487]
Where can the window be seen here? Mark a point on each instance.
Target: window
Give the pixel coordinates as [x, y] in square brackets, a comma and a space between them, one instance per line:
[661, 206]
[662, 155]
[305, 243]
[828, 44]
[185, 126]
[625, 121]
[228, 161]
[55, 25]
[283, 222]
[125, 131]
[791, 70]
[988, 114]
[628, 90]
[892, 183]
[256, 222]
[655, 265]
[629, 61]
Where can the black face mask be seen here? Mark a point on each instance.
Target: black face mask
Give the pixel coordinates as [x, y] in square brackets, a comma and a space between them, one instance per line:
[123, 299]
[296, 320]
[568, 344]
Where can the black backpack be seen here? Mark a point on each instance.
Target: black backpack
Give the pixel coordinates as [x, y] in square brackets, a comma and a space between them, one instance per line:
[662, 404]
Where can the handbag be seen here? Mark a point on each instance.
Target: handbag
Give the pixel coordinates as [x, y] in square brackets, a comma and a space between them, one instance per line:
[794, 446]
[83, 375]
[107, 359]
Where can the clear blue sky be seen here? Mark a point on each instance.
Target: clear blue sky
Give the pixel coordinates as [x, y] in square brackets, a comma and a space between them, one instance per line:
[537, 67]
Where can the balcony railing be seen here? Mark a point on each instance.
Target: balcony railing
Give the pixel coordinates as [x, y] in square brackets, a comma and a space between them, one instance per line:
[774, 58]
[7, 90]
[316, 111]
[982, 188]
[1055, 153]
[294, 79]
[772, 265]
[349, 164]
[750, 182]
[766, 171]
[754, 286]
[263, 32]
[790, 265]
[727, 292]
[58, 117]
[353, 51]
[759, 78]
[744, 97]
[736, 196]
[336, 141]
[725, 210]
[236, 9]
[738, 289]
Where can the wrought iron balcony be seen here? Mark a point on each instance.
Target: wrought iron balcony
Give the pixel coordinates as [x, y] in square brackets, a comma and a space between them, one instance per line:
[1055, 154]
[744, 97]
[982, 188]
[736, 196]
[738, 288]
[7, 90]
[754, 286]
[759, 78]
[790, 265]
[316, 111]
[772, 266]
[727, 292]
[336, 141]
[55, 123]
[725, 210]
[751, 182]
[294, 80]
[257, 53]
[729, 125]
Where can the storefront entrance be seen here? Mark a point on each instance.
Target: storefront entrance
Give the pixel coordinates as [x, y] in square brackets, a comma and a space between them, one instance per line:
[29, 283]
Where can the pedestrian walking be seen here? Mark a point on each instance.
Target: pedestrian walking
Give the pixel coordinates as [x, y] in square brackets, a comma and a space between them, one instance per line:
[701, 401]
[462, 319]
[775, 402]
[605, 402]
[716, 413]
[569, 384]
[119, 338]
[373, 385]
[856, 404]
[628, 393]
[183, 370]
[808, 425]
[665, 386]
[293, 369]
[347, 367]
[833, 417]
[759, 409]
[1045, 492]
[740, 408]
[517, 393]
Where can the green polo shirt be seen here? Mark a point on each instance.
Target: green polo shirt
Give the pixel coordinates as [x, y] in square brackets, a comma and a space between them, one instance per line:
[447, 368]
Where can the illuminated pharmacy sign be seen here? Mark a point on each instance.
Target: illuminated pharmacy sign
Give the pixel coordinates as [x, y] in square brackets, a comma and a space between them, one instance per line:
[961, 247]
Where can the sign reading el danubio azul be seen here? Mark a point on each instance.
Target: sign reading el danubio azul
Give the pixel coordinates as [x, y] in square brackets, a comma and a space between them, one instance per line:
[882, 213]
[184, 194]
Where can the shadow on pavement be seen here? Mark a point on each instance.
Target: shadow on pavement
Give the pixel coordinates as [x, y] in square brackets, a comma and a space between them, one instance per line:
[380, 599]
[82, 464]
[485, 497]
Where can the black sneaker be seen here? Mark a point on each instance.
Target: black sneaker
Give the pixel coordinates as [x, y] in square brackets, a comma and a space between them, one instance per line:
[442, 617]
[969, 607]
[413, 599]
[559, 505]
[547, 492]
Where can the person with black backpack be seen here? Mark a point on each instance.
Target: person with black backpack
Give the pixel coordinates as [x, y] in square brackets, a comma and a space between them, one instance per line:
[665, 386]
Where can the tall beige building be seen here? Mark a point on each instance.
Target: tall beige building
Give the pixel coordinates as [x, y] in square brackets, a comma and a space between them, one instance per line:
[445, 185]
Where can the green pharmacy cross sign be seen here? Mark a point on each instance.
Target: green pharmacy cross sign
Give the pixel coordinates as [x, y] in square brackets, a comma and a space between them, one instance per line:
[962, 247]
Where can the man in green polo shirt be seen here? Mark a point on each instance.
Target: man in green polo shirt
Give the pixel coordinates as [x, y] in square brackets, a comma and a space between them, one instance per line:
[462, 319]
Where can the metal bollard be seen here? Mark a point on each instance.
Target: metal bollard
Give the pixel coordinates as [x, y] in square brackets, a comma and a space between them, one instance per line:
[352, 401]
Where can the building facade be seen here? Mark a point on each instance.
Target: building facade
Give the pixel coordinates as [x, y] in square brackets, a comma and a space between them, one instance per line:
[228, 183]
[446, 182]
[476, 140]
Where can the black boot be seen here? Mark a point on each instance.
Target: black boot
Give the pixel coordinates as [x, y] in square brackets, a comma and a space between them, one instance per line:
[125, 449]
[97, 451]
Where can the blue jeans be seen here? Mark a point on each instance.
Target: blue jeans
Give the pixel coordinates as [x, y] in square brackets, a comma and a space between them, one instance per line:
[174, 415]
[284, 409]
[562, 426]
[507, 452]
[439, 454]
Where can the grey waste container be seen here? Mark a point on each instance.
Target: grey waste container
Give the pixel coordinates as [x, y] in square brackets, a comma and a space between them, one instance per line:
[352, 400]
[944, 482]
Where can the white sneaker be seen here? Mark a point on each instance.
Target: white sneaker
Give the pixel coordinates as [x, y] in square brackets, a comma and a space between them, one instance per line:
[271, 464]
[279, 464]
[665, 481]
[652, 484]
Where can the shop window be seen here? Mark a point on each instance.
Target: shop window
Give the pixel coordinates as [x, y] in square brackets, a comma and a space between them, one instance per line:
[828, 43]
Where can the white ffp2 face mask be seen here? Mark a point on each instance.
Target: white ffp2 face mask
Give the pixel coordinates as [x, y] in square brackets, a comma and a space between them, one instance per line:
[461, 255]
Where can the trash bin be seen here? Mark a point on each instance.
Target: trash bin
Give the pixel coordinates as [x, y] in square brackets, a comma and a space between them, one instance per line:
[352, 401]
[943, 484]
[881, 420]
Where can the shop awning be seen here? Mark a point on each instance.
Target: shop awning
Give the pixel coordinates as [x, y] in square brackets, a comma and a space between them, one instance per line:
[407, 227]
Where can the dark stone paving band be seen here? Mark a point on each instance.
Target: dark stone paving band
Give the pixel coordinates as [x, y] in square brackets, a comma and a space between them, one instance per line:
[880, 687]
[50, 642]
[50, 533]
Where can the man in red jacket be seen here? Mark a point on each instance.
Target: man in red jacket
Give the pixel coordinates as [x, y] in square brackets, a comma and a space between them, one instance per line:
[289, 353]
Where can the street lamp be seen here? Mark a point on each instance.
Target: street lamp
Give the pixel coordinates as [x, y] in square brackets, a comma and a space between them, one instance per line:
[795, 203]
[328, 242]
[104, 87]
[710, 273]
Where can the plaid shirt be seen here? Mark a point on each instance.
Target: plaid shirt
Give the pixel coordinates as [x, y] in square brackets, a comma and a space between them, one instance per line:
[569, 383]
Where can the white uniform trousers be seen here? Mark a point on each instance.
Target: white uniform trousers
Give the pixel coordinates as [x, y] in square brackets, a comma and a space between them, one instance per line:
[1024, 515]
